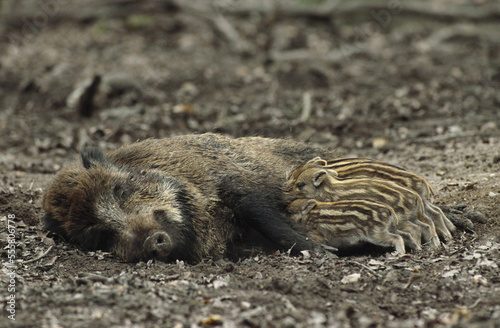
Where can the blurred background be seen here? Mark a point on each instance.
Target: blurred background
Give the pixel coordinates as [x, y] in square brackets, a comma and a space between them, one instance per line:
[365, 77]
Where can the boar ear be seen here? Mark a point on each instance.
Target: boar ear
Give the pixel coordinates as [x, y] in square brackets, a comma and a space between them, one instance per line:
[318, 177]
[92, 156]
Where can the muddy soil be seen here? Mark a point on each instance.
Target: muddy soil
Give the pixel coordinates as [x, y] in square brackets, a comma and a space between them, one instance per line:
[420, 91]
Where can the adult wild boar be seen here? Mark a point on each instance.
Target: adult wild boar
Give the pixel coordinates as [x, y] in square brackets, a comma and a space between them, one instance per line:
[183, 198]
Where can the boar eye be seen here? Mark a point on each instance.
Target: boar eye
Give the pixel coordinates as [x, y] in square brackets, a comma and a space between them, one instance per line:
[122, 193]
[160, 215]
[301, 185]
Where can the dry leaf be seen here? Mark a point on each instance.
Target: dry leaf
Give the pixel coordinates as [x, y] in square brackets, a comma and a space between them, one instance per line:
[488, 263]
[350, 278]
[376, 264]
[450, 273]
[219, 283]
[183, 109]
[46, 240]
[480, 280]
[212, 320]
[379, 142]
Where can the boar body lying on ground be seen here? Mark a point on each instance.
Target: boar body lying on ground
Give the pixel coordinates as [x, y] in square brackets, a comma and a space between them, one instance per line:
[180, 198]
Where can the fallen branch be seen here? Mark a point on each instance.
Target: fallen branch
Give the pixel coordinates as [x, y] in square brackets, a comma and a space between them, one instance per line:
[84, 13]
[443, 138]
[327, 9]
[42, 255]
[449, 32]
[366, 268]
[332, 8]
[333, 56]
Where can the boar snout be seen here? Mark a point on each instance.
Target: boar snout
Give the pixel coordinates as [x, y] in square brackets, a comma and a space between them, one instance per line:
[158, 245]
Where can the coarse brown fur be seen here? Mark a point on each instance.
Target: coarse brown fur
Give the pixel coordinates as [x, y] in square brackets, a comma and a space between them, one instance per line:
[185, 197]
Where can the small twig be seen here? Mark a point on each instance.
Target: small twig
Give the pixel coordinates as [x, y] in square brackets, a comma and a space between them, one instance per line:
[306, 106]
[39, 256]
[415, 275]
[239, 44]
[475, 303]
[333, 56]
[446, 33]
[206, 11]
[459, 250]
[366, 268]
[447, 137]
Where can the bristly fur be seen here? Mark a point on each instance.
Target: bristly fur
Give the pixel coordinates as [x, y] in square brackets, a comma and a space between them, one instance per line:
[199, 190]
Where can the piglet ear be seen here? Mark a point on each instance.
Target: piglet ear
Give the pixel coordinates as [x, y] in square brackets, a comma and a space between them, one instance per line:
[319, 177]
[317, 161]
[308, 206]
[92, 156]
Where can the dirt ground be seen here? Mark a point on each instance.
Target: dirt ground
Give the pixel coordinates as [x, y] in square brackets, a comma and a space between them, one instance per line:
[419, 90]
